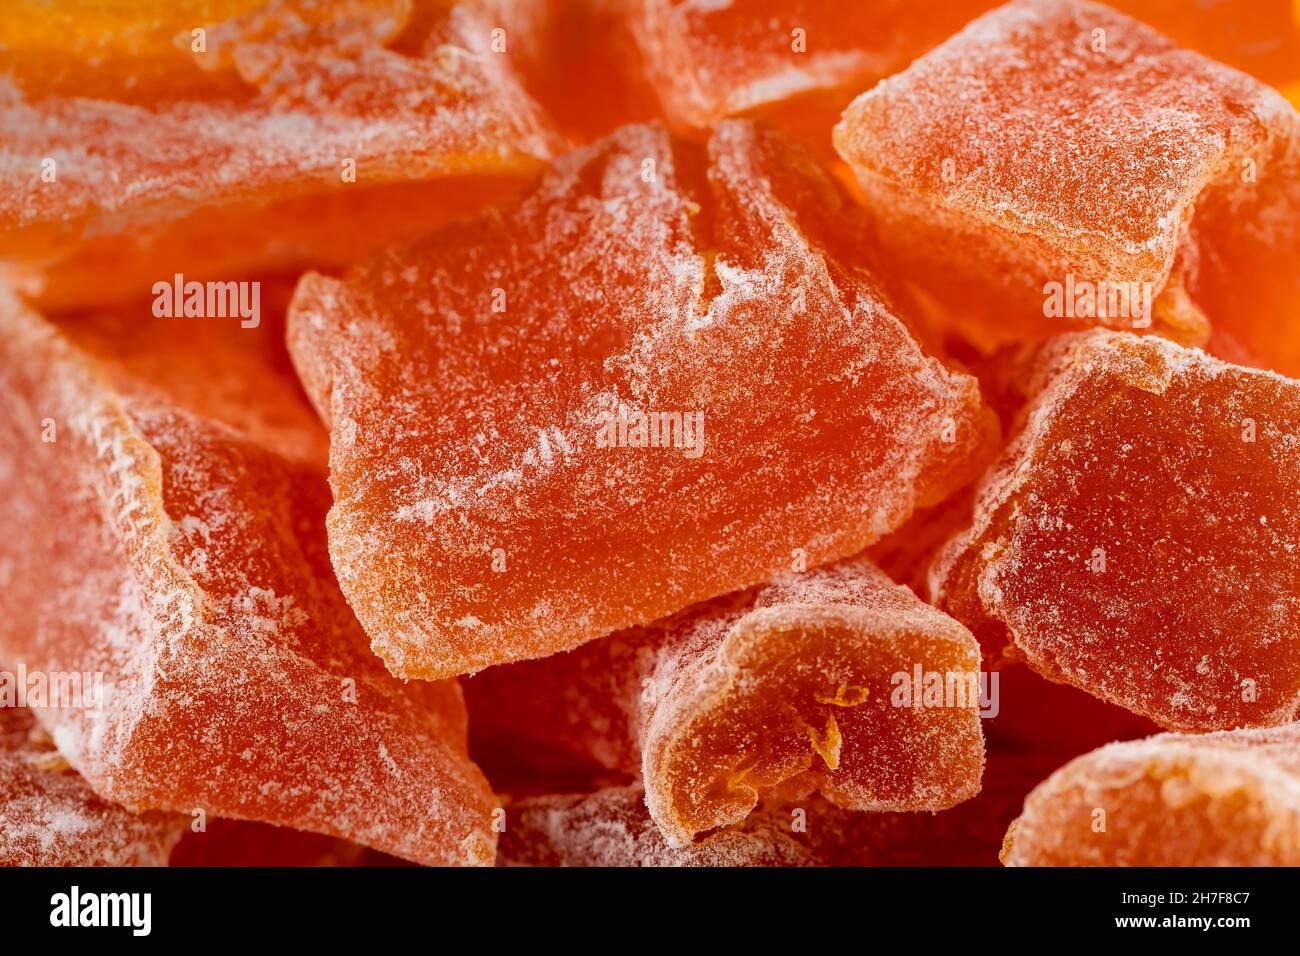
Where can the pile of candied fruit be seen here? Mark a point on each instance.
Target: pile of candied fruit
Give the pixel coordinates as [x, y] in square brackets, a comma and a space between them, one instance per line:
[649, 432]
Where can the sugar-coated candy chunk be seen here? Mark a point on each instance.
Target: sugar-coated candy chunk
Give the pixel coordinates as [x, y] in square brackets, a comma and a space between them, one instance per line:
[1140, 538]
[131, 52]
[656, 380]
[1222, 799]
[164, 528]
[709, 61]
[802, 685]
[610, 827]
[334, 144]
[802, 61]
[49, 817]
[1057, 164]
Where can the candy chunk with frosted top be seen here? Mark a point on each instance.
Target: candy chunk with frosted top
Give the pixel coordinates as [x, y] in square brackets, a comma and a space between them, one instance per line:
[1220, 799]
[709, 61]
[801, 62]
[50, 817]
[1058, 164]
[349, 126]
[656, 380]
[1140, 538]
[188, 566]
[817, 682]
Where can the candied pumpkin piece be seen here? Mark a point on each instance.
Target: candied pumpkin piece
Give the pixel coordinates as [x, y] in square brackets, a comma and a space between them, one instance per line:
[801, 62]
[1220, 799]
[130, 52]
[165, 495]
[1057, 165]
[1138, 539]
[339, 146]
[802, 685]
[662, 351]
[611, 827]
[49, 817]
[710, 61]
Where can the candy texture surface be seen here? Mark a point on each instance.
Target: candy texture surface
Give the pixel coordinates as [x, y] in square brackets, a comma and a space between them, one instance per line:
[806, 684]
[662, 351]
[1222, 799]
[347, 127]
[49, 817]
[711, 60]
[1057, 164]
[163, 528]
[1140, 538]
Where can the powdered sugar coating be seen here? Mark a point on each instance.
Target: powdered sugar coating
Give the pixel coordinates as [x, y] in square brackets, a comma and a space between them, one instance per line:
[199, 170]
[788, 688]
[188, 566]
[1060, 141]
[1140, 538]
[712, 60]
[49, 817]
[469, 378]
[1222, 799]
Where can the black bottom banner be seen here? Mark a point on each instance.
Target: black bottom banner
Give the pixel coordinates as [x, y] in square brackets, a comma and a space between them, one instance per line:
[865, 905]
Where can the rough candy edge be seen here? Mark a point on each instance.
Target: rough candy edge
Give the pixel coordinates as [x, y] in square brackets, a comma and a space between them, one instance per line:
[1213, 771]
[1061, 366]
[706, 686]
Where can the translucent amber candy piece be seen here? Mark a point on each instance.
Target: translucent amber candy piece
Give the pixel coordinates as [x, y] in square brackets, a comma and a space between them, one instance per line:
[165, 497]
[794, 686]
[1139, 538]
[1058, 164]
[1222, 799]
[647, 285]
[131, 52]
[336, 144]
[49, 817]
